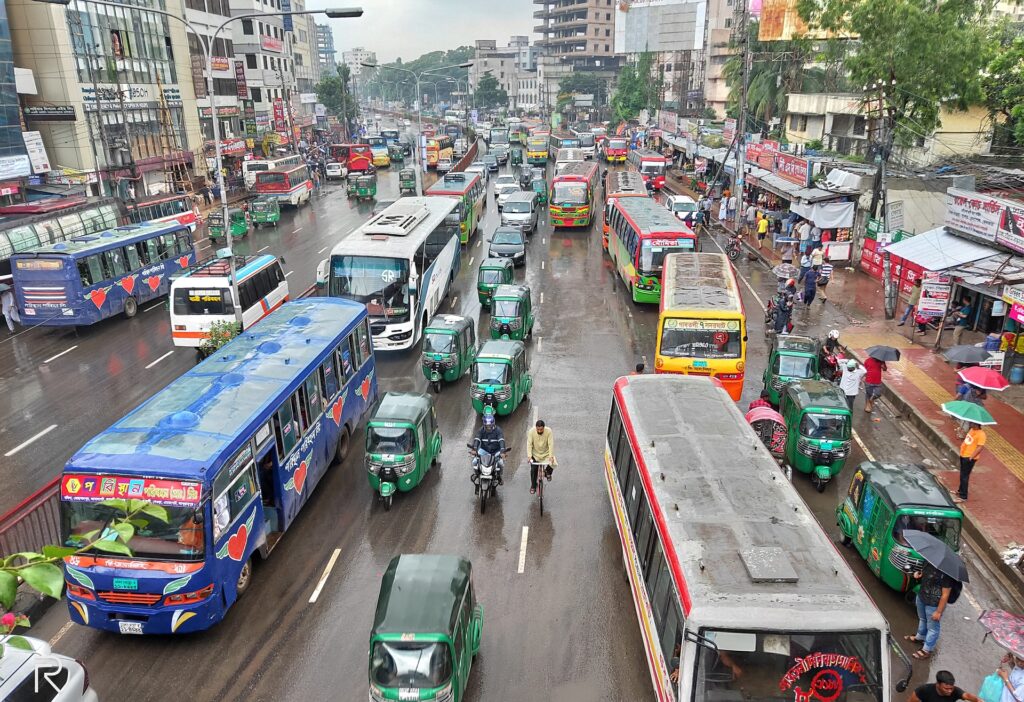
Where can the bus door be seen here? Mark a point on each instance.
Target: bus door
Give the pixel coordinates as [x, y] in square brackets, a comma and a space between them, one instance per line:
[270, 492]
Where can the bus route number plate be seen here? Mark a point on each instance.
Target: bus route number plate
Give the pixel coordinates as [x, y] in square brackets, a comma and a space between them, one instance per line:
[130, 627]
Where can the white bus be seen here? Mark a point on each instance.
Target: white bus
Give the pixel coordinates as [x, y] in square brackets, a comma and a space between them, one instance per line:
[400, 264]
[201, 295]
[588, 142]
[251, 168]
[738, 591]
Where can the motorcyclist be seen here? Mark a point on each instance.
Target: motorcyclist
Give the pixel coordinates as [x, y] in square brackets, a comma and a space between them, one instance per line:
[491, 438]
[832, 341]
[540, 447]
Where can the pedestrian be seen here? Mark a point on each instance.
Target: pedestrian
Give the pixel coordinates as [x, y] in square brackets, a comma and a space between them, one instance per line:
[723, 210]
[786, 301]
[873, 382]
[1013, 680]
[762, 230]
[815, 237]
[805, 265]
[805, 236]
[962, 319]
[788, 252]
[824, 277]
[732, 207]
[915, 298]
[970, 449]
[932, 598]
[762, 401]
[944, 689]
[699, 219]
[749, 216]
[638, 369]
[10, 310]
[817, 257]
[849, 383]
[810, 286]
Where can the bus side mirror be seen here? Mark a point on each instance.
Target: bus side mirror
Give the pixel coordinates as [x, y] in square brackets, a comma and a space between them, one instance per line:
[321, 274]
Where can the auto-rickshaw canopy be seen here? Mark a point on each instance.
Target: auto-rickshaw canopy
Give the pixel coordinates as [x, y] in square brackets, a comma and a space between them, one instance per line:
[421, 594]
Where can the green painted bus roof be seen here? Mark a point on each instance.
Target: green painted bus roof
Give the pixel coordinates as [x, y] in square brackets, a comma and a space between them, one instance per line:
[907, 484]
[402, 407]
[419, 594]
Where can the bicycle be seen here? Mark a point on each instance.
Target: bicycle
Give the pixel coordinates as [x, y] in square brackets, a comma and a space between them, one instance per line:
[541, 479]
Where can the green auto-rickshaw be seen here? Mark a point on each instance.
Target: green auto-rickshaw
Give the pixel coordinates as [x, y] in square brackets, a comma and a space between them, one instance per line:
[540, 186]
[396, 153]
[402, 443]
[407, 181]
[885, 499]
[366, 187]
[501, 377]
[265, 210]
[352, 185]
[493, 272]
[238, 221]
[819, 428]
[426, 631]
[449, 347]
[791, 357]
[511, 313]
[516, 157]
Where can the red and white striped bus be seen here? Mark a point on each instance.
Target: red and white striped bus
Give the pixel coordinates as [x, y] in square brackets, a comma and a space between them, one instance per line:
[651, 165]
[355, 157]
[738, 591]
[291, 186]
[571, 202]
[176, 207]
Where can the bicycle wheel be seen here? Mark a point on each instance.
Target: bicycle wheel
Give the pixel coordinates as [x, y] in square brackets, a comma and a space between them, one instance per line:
[540, 493]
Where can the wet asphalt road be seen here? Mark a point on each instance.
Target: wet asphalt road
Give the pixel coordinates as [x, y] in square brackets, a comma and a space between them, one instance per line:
[563, 629]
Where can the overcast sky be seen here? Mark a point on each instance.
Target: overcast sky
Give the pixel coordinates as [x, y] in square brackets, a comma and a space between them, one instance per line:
[409, 28]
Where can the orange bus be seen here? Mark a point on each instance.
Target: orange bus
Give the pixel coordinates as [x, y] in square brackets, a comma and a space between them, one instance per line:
[571, 199]
[439, 147]
[619, 184]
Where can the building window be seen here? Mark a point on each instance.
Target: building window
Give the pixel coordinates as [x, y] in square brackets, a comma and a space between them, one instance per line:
[607, 48]
[134, 45]
[247, 27]
[803, 123]
[607, 32]
[608, 16]
[728, 22]
[298, 59]
[250, 61]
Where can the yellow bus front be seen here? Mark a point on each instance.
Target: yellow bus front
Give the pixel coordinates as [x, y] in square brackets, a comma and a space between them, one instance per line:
[695, 342]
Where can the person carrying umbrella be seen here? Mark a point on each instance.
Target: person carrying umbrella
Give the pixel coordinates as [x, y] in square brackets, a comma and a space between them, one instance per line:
[941, 579]
[970, 449]
[875, 365]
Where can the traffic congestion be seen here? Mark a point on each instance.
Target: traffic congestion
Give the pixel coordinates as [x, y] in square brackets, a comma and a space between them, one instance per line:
[500, 424]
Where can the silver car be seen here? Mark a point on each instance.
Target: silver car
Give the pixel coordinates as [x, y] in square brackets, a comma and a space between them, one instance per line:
[41, 674]
[521, 211]
[504, 191]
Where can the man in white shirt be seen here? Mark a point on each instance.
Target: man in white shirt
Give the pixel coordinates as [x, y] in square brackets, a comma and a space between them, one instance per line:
[850, 382]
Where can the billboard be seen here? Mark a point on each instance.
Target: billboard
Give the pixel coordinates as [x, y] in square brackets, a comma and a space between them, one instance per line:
[659, 25]
[780, 21]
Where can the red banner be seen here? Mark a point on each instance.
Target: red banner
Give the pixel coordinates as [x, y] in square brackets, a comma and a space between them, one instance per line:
[795, 170]
[92, 488]
[279, 122]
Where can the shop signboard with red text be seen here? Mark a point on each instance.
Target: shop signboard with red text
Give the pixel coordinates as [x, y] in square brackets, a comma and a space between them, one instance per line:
[794, 169]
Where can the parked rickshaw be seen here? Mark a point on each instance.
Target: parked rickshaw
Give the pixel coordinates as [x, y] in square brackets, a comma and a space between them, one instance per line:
[407, 181]
[366, 187]
[882, 501]
[511, 313]
[819, 429]
[426, 630]
[402, 443]
[265, 210]
[539, 186]
[449, 347]
[493, 272]
[396, 153]
[791, 357]
[238, 222]
[501, 377]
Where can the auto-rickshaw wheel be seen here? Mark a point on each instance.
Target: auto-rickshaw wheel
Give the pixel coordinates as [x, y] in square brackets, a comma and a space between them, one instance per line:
[846, 541]
[819, 484]
[275, 224]
[436, 385]
[387, 502]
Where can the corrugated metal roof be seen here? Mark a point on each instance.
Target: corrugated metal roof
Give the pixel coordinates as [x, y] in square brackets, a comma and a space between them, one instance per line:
[939, 250]
[994, 270]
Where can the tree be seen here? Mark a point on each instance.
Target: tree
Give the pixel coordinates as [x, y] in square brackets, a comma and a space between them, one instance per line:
[580, 83]
[637, 89]
[931, 54]
[335, 94]
[489, 93]
[1003, 85]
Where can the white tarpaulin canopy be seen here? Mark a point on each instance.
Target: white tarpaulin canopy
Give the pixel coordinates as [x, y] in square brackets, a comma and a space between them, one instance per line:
[827, 215]
[937, 250]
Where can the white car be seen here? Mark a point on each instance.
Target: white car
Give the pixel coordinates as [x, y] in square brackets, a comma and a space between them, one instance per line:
[505, 180]
[682, 206]
[504, 191]
[407, 123]
[41, 674]
[444, 165]
[479, 167]
[336, 171]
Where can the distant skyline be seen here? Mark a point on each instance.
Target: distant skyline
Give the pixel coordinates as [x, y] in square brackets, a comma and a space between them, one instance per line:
[411, 28]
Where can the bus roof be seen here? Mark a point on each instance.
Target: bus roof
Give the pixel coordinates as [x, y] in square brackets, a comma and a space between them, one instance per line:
[746, 551]
[698, 282]
[625, 182]
[647, 155]
[183, 429]
[46, 205]
[454, 183]
[398, 231]
[129, 233]
[419, 594]
[576, 170]
[651, 217]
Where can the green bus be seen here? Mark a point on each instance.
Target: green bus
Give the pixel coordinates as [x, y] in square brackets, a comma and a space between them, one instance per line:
[471, 193]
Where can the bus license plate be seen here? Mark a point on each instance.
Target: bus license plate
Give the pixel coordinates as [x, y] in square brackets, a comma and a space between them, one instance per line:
[126, 584]
[130, 627]
[700, 364]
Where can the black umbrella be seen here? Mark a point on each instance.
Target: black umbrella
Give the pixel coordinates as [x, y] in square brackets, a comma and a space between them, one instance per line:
[965, 353]
[884, 353]
[938, 553]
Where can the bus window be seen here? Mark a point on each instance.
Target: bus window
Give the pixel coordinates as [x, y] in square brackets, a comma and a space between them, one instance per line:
[314, 399]
[329, 376]
[231, 498]
[184, 242]
[363, 345]
[165, 247]
[625, 459]
[346, 355]
[153, 250]
[90, 270]
[132, 255]
[299, 401]
[659, 583]
[142, 252]
[113, 263]
[286, 429]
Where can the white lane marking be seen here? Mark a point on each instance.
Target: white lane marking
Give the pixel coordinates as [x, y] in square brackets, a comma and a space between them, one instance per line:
[479, 241]
[288, 273]
[60, 633]
[522, 550]
[471, 258]
[455, 301]
[539, 340]
[745, 282]
[544, 240]
[153, 307]
[54, 358]
[296, 231]
[263, 249]
[159, 359]
[322, 250]
[32, 440]
[867, 453]
[323, 578]
[542, 265]
[542, 298]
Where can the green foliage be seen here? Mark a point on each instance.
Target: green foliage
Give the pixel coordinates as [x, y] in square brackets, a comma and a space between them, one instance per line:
[932, 54]
[335, 93]
[637, 89]
[1003, 86]
[431, 62]
[815, 145]
[581, 83]
[220, 334]
[489, 93]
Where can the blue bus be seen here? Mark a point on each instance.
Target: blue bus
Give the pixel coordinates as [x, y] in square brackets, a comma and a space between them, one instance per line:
[220, 462]
[89, 278]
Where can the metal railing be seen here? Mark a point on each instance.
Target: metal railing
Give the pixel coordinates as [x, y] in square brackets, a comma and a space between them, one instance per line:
[32, 523]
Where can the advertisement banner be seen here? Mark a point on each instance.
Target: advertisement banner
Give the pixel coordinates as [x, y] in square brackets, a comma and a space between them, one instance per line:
[320, 110]
[271, 44]
[286, 7]
[700, 165]
[89, 488]
[935, 290]
[242, 88]
[36, 152]
[198, 79]
[279, 114]
[222, 111]
[50, 113]
[668, 121]
[973, 213]
[220, 63]
[249, 118]
[754, 152]
[729, 130]
[795, 170]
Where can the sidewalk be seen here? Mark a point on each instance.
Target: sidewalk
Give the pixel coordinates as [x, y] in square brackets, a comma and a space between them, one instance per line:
[916, 386]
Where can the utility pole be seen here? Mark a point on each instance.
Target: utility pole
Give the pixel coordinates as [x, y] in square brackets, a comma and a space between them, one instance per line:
[879, 193]
[741, 124]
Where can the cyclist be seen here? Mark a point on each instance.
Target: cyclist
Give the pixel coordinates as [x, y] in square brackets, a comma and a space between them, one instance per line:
[540, 447]
[491, 438]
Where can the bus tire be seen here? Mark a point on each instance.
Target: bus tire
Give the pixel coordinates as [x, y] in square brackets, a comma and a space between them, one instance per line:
[131, 307]
[244, 579]
[344, 443]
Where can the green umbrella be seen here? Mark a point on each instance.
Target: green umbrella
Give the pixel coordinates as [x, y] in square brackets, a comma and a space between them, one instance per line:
[968, 412]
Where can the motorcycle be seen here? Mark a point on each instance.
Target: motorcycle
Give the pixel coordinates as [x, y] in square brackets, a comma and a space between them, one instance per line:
[770, 312]
[487, 470]
[831, 359]
[733, 248]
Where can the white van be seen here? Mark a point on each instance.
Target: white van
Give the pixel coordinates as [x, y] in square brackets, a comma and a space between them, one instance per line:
[202, 295]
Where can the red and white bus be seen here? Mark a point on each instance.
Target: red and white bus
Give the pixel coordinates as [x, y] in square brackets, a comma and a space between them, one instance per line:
[355, 157]
[177, 207]
[571, 202]
[291, 186]
[738, 591]
[651, 165]
[615, 149]
[620, 184]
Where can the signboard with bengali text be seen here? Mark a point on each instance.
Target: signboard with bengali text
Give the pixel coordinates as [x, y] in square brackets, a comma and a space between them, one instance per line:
[794, 169]
[75, 487]
[242, 88]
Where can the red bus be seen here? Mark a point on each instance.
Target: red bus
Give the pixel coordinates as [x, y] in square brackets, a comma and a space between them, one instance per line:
[651, 165]
[291, 186]
[176, 207]
[355, 157]
[571, 200]
[615, 149]
[620, 184]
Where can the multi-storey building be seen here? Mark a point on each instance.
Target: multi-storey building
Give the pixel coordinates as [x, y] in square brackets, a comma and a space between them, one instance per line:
[510, 65]
[325, 48]
[307, 72]
[269, 73]
[576, 28]
[207, 16]
[123, 76]
[14, 163]
[354, 59]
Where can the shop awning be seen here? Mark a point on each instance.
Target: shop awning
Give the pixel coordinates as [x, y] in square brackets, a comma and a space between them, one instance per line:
[780, 186]
[816, 195]
[675, 142]
[939, 250]
[991, 272]
[827, 215]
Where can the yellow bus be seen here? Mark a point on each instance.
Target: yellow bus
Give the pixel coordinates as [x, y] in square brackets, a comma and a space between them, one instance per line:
[439, 147]
[537, 150]
[702, 328]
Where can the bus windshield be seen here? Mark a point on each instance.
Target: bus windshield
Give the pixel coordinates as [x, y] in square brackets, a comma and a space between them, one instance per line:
[776, 665]
[202, 302]
[382, 284]
[397, 440]
[616, 143]
[827, 427]
[179, 538]
[570, 194]
[700, 338]
[586, 140]
[410, 664]
[652, 253]
[490, 373]
[648, 168]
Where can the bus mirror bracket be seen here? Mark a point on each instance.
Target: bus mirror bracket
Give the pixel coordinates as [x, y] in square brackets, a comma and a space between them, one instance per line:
[702, 641]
